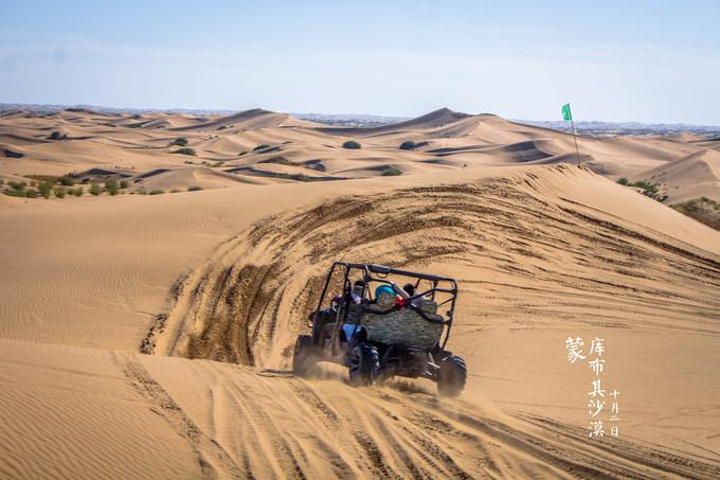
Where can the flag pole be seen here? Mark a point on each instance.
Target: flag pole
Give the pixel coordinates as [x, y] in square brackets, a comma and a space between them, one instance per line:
[577, 151]
[567, 115]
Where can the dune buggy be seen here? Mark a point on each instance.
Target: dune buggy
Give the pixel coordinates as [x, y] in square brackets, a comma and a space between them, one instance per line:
[382, 322]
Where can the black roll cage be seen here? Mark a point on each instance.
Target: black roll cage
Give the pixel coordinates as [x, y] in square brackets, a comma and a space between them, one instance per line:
[379, 273]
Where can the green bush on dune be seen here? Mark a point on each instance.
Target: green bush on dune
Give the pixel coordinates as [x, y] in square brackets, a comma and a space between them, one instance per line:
[45, 189]
[158, 191]
[60, 192]
[112, 187]
[186, 151]
[66, 181]
[78, 192]
[179, 142]
[124, 184]
[352, 145]
[194, 188]
[261, 146]
[17, 185]
[391, 172]
[15, 189]
[644, 184]
[95, 189]
[408, 145]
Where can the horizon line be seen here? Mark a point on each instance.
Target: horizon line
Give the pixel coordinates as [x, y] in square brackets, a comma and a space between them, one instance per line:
[63, 106]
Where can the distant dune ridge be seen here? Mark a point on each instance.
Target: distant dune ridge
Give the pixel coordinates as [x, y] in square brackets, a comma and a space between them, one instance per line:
[150, 336]
[140, 142]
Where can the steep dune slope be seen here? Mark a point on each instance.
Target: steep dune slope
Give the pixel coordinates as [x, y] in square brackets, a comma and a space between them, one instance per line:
[694, 176]
[507, 226]
[535, 267]
[71, 412]
[253, 119]
[434, 119]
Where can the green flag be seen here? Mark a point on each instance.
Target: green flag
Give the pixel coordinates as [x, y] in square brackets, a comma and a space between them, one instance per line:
[566, 113]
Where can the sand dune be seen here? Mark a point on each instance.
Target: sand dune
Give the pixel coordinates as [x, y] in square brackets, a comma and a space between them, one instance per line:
[146, 142]
[713, 143]
[179, 178]
[254, 119]
[697, 175]
[433, 119]
[213, 286]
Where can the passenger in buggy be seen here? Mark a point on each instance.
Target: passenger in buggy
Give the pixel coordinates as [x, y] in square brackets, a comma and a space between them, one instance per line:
[327, 316]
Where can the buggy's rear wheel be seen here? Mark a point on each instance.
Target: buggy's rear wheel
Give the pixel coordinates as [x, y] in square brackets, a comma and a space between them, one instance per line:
[452, 376]
[304, 356]
[363, 364]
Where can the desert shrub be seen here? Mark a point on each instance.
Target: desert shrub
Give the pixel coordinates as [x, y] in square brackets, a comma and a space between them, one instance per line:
[408, 145]
[715, 205]
[186, 151]
[142, 191]
[175, 190]
[157, 191]
[66, 181]
[391, 172]
[124, 184]
[261, 146]
[14, 193]
[31, 193]
[352, 144]
[645, 185]
[194, 188]
[36, 179]
[78, 192]
[45, 189]
[242, 153]
[111, 186]
[95, 189]
[56, 135]
[17, 185]
[180, 142]
[60, 192]
[704, 210]
[2, 182]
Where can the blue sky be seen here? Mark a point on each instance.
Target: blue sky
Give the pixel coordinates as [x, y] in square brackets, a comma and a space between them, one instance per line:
[649, 61]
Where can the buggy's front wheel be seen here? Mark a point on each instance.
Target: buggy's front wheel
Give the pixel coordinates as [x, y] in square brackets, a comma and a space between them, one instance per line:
[363, 364]
[304, 356]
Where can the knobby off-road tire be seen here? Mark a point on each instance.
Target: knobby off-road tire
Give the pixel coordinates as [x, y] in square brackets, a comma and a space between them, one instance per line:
[304, 356]
[363, 365]
[452, 376]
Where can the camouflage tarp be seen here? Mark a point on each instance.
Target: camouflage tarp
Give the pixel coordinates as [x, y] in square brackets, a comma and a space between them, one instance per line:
[405, 326]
